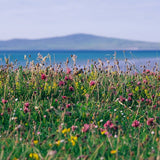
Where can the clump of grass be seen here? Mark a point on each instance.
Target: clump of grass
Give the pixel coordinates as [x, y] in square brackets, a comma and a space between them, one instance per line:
[95, 112]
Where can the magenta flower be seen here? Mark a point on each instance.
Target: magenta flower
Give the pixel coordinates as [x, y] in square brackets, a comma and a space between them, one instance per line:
[85, 128]
[64, 97]
[26, 110]
[107, 124]
[92, 83]
[129, 98]
[68, 71]
[43, 76]
[71, 88]
[68, 105]
[135, 123]
[66, 78]
[138, 83]
[4, 101]
[73, 128]
[61, 83]
[26, 104]
[150, 121]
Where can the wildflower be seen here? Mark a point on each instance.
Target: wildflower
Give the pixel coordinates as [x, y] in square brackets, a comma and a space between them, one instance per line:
[92, 83]
[26, 104]
[44, 116]
[61, 83]
[138, 83]
[107, 124]
[26, 110]
[68, 105]
[43, 76]
[59, 142]
[135, 123]
[34, 156]
[113, 152]
[129, 98]
[71, 88]
[68, 71]
[66, 78]
[38, 133]
[64, 97]
[73, 140]
[73, 128]
[35, 142]
[152, 132]
[4, 101]
[85, 128]
[150, 121]
[66, 130]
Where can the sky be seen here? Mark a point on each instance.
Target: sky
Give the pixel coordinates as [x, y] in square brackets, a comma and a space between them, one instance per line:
[34, 19]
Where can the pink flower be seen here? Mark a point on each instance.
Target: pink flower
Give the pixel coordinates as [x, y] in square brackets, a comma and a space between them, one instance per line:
[44, 116]
[61, 83]
[64, 97]
[138, 83]
[26, 110]
[66, 78]
[144, 81]
[70, 77]
[71, 88]
[92, 83]
[68, 71]
[135, 123]
[73, 128]
[142, 99]
[4, 101]
[43, 76]
[26, 104]
[85, 128]
[150, 121]
[107, 124]
[38, 133]
[147, 71]
[129, 98]
[68, 105]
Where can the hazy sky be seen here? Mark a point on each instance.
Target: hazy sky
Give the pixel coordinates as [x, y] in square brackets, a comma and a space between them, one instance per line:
[130, 19]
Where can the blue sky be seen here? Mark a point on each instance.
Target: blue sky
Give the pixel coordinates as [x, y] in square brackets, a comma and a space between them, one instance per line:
[129, 19]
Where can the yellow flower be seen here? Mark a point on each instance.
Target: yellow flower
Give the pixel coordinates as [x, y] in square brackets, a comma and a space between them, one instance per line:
[73, 140]
[35, 142]
[113, 152]
[34, 156]
[137, 89]
[50, 145]
[66, 130]
[15, 158]
[58, 142]
[103, 132]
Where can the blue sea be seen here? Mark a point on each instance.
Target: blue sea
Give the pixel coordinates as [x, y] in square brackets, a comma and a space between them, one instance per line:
[138, 58]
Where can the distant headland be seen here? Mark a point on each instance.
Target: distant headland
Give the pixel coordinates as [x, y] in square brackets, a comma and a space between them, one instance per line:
[78, 42]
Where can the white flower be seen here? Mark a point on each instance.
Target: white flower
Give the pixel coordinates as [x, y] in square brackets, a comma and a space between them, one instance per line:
[101, 120]
[16, 99]
[115, 136]
[152, 132]
[115, 110]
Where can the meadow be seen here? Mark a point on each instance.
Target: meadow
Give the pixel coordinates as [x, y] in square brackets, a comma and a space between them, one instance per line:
[92, 112]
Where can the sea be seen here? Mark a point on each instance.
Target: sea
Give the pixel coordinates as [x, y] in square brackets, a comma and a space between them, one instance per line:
[138, 58]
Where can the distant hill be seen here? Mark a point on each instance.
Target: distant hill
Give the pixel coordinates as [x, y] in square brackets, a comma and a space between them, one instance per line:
[77, 42]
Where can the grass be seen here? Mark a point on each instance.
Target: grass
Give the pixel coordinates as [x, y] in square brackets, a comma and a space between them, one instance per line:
[88, 113]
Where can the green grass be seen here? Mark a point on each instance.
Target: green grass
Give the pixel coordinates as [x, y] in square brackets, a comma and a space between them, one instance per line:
[38, 122]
